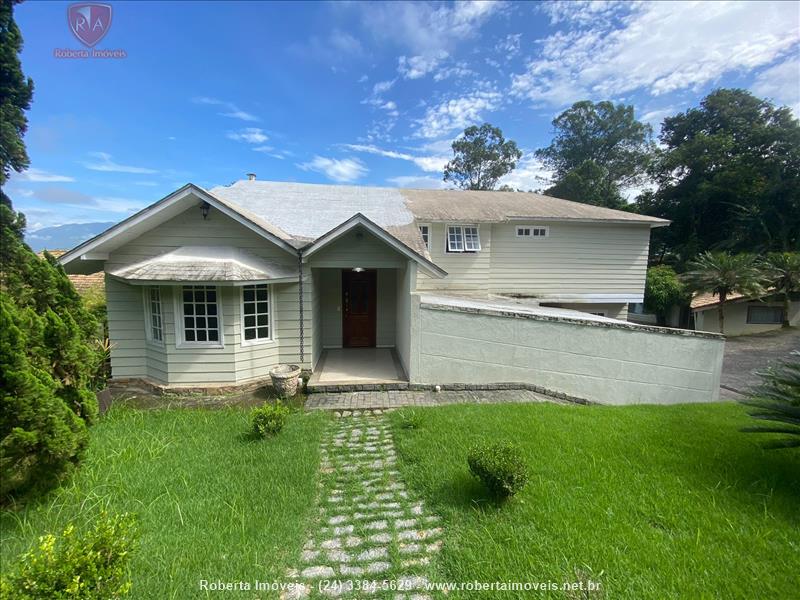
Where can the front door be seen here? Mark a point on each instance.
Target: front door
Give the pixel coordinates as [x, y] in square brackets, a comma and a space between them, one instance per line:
[358, 308]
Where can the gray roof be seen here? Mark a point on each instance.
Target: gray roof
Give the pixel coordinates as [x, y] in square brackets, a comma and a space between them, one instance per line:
[205, 263]
[492, 207]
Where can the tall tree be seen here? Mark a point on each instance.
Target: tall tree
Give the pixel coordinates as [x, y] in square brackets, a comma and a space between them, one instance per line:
[783, 269]
[722, 274]
[728, 177]
[663, 290]
[47, 353]
[598, 150]
[481, 157]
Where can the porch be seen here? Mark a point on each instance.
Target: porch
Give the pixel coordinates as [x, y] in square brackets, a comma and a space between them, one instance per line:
[357, 366]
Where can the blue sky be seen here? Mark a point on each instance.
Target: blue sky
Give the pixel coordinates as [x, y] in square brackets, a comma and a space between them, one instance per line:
[357, 93]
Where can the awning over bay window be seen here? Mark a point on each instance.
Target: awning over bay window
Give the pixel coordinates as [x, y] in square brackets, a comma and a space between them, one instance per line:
[206, 264]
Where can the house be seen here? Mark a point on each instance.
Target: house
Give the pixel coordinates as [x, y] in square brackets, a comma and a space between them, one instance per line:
[743, 315]
[385, 286]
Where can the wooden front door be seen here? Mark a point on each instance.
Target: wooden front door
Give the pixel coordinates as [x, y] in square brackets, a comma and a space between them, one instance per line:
[359, 297]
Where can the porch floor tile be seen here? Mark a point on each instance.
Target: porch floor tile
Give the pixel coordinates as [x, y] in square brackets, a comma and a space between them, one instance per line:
[358, 365]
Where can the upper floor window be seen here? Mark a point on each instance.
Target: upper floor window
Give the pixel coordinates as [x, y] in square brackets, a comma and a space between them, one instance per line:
[200, 318]
[154, 315]
[529, 231]
[255, 314]
[463, 238]
[425, 232]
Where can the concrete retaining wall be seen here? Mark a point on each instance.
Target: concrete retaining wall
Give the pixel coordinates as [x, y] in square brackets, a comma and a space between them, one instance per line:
[602, 360]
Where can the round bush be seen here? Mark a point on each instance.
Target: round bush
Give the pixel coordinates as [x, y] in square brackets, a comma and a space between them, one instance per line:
[269, 419]
[499, 466]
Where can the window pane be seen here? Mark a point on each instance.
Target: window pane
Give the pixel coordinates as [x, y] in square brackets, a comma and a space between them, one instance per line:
[455, 241]
[211, 295]
[471, 239]
[262, 307]
[263, 319]
[189, 335]
[200, 309]
[213, 335]
[249, 308]
[211, 309]
[212, 323]
[188, 322]
[199, 295]
[262, 292]
[188, 309]
[249, 321]
[187, 294]
[263, 332]
[249, 294]
[249, 334]
[201, 335]
[200, 322]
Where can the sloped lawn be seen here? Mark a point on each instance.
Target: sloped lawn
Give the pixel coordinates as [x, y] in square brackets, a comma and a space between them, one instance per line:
[650, 501]
[212, 502]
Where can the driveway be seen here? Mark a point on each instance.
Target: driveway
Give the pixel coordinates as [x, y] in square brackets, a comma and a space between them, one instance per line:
[749, 353]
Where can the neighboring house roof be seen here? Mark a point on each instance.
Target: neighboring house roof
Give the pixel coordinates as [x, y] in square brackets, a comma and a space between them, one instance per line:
[488, 207]
[206, 264]
[706, 301]
[81, 283]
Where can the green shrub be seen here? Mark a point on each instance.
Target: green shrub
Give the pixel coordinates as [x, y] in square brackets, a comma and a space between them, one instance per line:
[89, 566]
[777, 400]
[499, 466]
[269, 419]
[410, 418]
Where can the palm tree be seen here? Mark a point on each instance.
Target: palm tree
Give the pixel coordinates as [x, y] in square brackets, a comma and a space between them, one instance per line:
[784, 273]
[722, 274]
[777, 399]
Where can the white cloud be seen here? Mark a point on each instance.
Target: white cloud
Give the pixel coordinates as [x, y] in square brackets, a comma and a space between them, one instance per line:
[530, 174]
[251, 135]
[417, 182]
[335, 47]
[655, 116]
[229, 108]
[382, 87]
[341, 170]
[40, 175]
[425, 27]
[510, 45]
[414, 67]
[457, 113]
[363, 79]
[105, 164]
[457, 71]
[659, 47]
[271, 151]
[781, 83]
[430, 164]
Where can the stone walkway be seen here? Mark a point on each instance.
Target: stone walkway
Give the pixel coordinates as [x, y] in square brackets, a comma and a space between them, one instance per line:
[370, 528]
[395, 399]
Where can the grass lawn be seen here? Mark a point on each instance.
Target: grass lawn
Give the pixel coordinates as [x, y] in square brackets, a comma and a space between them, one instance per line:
[212, 502]
[650, 501]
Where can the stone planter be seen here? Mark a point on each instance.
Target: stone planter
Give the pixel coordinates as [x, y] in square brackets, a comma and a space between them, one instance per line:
[284, 380]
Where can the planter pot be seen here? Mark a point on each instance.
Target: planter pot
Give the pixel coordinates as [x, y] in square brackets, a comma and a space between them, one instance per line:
[284, 379]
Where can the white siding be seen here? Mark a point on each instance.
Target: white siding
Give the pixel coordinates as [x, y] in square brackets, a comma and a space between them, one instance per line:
[468, 273]
[357, 248]
[132, 356]
[575, 258]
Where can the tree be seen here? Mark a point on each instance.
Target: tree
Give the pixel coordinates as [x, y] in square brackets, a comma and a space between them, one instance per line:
[722, 274]
[48, 357]
[663, 289]
[777, 399]
[16, 92]
[481, 157]
[728, 178]
[784, 275]
[598, 149]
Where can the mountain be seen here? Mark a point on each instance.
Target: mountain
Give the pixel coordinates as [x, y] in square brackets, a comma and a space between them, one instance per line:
[63, 237]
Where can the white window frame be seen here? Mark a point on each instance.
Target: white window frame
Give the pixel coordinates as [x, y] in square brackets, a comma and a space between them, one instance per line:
[148, 315]
[531, 232]
[180, 333]
[270, 318]
[462, 237]
[426, 237]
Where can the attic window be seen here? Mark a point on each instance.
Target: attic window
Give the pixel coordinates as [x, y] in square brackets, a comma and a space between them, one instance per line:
[463, 238]
[529, 231]
[425, 232]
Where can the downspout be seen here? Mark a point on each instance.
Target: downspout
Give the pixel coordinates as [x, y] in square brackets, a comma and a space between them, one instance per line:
[300, 299]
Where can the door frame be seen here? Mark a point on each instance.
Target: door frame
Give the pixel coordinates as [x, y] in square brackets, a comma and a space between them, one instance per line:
[372, 314]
